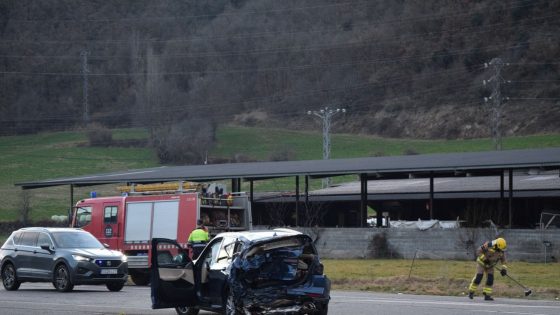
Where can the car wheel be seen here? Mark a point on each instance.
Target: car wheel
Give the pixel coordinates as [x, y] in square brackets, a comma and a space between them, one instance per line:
[230, 308]
[9, 278]
[115, 286]
[185, 310]
[62, 280]
[140, 278]
[323, 309]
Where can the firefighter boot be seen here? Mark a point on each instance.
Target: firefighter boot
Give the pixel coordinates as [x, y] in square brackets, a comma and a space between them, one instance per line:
[487, 291]
[474, 284]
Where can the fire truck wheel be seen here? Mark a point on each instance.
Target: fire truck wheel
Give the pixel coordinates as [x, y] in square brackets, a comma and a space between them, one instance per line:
[183, 310]
[140, 278]
[115, 286]
[61, 279]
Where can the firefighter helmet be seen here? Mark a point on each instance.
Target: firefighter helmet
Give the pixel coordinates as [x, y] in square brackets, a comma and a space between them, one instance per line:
[500, 244]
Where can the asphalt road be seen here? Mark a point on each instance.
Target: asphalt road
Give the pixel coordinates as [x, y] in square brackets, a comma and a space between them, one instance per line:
[41, 298]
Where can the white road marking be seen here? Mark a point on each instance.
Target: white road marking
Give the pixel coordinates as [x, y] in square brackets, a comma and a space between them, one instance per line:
[111, 307]
[448, 303]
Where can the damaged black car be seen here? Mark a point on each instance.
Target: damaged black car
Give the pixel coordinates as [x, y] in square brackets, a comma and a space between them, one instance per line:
[252, 272]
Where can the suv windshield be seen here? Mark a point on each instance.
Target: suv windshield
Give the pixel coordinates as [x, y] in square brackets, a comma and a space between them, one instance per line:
[76, 240]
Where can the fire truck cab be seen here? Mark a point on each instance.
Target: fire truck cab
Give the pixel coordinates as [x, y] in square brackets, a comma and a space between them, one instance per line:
[129, 222]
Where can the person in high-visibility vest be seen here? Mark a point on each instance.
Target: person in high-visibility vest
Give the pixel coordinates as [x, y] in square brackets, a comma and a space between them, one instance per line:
[489, 254]
[198, 239]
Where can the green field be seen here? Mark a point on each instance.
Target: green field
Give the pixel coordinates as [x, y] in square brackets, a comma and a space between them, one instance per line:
[439, 277]
[64, 154]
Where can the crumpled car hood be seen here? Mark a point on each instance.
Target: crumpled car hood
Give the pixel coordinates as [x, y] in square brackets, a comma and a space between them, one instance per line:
[264, 272]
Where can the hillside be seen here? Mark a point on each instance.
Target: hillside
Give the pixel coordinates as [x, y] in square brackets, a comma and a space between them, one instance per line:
[410, 69]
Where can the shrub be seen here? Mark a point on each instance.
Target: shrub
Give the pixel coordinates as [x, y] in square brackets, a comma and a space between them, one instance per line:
[99, 135]
[185, 142]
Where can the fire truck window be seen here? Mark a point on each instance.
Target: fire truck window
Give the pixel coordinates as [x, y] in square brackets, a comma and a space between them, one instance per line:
[110, 215]
[83, 216]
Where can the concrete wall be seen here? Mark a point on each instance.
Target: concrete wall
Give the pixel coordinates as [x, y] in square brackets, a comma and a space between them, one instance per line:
[460, 244]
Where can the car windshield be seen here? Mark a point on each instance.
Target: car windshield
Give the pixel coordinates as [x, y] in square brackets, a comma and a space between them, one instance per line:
[76, 240]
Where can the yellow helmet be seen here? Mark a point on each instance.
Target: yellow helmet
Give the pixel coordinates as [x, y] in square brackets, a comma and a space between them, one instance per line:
[499, 243]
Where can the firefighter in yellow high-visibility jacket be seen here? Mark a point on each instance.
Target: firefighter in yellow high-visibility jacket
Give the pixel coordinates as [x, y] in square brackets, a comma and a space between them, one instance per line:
[198, 239]
[488, 256]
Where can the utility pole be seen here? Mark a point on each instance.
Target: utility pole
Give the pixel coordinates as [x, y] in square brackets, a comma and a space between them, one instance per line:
[85, 71]
[326, 115]
[497, 99]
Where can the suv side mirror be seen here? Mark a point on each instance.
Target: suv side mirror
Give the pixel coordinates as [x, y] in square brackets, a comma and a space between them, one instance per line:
[46, 247]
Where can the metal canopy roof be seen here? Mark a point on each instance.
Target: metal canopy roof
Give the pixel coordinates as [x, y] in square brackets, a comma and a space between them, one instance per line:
[481, 163]
[545, 184]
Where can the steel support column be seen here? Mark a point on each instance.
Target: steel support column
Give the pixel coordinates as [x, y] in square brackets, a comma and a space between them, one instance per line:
[235, 185]
[71, 205]
[501, 201]
[251, 192]
[363, 203]
[297, 200]
[306, 191]
[431, 195]
[510, 174]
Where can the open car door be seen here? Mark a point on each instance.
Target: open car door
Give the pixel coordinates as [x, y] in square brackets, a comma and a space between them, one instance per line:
[172, 275]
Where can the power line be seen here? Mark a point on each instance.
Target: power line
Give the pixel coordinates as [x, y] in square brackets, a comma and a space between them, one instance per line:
[182, 17]
[324, 65]
[276, 34]
[354, 4]
[535, 98]
[366, 42]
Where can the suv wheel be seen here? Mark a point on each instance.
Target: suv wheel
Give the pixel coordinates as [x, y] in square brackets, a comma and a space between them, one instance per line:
[9, 278]
[61, 280]
[185, 310]
[115, 286]
[230, 308]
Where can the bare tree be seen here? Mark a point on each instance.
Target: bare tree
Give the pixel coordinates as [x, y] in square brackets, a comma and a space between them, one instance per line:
[471, 238]
[138, 81]
[280, 213]
[312, 218]
[184, 142]
[25, 206]
[468, 239]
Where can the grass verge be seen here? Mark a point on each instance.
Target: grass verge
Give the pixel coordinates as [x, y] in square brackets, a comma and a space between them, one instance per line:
[439, 277]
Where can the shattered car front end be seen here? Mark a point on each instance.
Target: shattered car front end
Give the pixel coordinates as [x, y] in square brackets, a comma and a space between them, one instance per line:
[280, 275]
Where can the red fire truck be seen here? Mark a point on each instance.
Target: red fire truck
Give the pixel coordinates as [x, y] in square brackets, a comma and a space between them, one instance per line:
[128, 222]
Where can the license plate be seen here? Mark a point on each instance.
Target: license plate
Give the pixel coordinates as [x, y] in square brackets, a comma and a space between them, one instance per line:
[108, 271]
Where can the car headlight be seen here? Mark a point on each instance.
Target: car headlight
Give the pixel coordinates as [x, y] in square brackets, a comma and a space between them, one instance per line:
[124, 258]
[81, 258]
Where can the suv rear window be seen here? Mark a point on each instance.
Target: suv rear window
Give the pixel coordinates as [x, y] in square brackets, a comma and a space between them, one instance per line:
[15, 238]
[28, 239]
